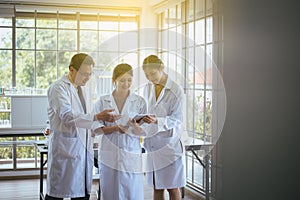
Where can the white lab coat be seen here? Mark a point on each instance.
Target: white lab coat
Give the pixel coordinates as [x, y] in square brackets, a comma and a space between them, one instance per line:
[70, 152]
[162, 143]
[120, 155]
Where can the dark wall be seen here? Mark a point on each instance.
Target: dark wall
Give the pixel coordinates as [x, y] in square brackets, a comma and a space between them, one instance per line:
[260, 139]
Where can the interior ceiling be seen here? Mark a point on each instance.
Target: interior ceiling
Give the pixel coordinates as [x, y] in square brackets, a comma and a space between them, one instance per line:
[122, 3]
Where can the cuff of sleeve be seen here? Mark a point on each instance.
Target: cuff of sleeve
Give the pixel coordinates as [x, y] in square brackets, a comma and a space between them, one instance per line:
[96, 125]
[161, 122]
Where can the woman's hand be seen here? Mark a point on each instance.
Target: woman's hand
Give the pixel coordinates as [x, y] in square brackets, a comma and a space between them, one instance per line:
[121, 129]
[136, 127]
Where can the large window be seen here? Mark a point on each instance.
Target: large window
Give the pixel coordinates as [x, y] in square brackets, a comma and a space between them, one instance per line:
[189, 44]
[36, 45]
[35, 50]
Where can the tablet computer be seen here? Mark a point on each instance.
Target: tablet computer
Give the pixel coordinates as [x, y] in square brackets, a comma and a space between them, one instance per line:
[138, 117]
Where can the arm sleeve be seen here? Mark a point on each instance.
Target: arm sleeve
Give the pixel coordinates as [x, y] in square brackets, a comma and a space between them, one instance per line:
[174, 118]
[98, 107]
[60, 100]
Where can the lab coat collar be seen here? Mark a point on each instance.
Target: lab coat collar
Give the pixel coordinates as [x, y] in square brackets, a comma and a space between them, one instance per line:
[168, 86]
[168, 83]
[72, 88]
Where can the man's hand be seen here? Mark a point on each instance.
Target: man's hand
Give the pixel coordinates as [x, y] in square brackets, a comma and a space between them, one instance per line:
[106, 115]
[136, 126]
[150, 119]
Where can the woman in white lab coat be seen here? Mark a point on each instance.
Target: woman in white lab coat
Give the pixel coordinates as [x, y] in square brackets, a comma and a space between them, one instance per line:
[120, 159]
[70, 153]
[165, 163]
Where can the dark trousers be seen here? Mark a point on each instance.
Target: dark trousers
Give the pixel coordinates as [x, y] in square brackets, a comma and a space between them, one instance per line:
[87, 197]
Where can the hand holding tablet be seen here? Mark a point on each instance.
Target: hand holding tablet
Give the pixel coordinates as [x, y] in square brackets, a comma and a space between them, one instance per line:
[140, 117]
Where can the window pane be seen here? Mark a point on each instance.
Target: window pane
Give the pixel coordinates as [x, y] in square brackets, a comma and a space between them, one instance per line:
[172, 39]
[179, 13]
[180, 65]
[190, 67]
[128, 26]
[46, 39]
[5, 38]
[208, 113]
[189, 167]
[200, 4]
[109, 41]
[45, 68]
[200, 67]
[6, 68]
[5, 113]
[46, 20]
[130, 58]
[200, 32]
[108, 25]
[67, 21]
[172, 17]
[164, 40]
[25, 157]
[180, 37]
[25, 21]
[190, 11]
[198, 174]
[199, 111]
[25, 154]
[209, 29]
[91, 25]
[6, 160]
[165, 20]
[128, 41]
[108, 61]
[24, 69]
[209, 7]
[63, 62]
[25, 38]
[67, 40]
[88, 40]
[190, 34]
[190, 109]
[5, 21]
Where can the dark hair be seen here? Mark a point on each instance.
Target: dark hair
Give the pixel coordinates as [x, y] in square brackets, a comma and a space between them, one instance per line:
[81, 59]
[152, 61]
[120, 70]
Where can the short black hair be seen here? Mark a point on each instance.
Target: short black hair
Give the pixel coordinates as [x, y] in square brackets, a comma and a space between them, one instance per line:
[152, 61]
[80, 59]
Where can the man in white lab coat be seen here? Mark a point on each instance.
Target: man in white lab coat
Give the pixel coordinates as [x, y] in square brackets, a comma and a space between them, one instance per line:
[70, 152]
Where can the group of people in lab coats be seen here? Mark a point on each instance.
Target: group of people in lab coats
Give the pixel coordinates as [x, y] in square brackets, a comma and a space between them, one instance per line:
[70, 151]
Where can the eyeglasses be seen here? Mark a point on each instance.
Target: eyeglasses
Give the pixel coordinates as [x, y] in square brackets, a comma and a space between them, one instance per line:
[86, 75]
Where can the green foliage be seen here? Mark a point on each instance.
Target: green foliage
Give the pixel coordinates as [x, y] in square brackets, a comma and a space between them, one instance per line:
[6, 152]
[202, 117]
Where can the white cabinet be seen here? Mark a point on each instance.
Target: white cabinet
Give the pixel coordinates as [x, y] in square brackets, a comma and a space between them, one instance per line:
[29, 111]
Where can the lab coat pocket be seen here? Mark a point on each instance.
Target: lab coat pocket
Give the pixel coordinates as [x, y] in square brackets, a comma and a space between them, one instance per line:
[166, 134]
[69, 148]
